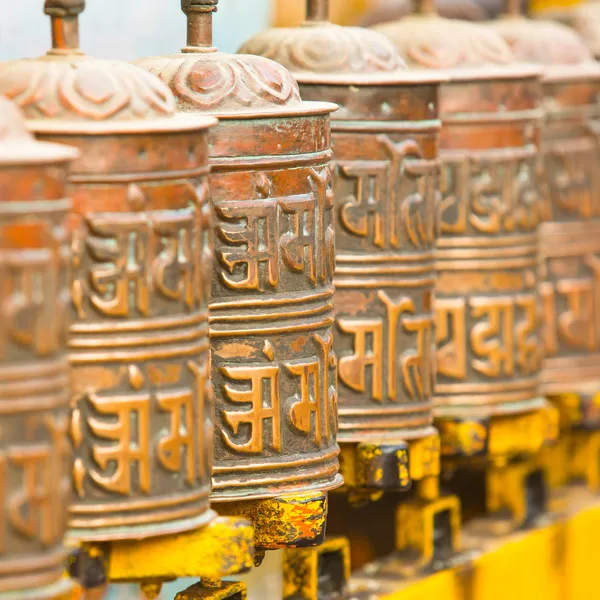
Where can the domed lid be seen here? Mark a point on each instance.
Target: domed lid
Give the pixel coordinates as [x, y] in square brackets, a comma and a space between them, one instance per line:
[18, 146]
[321, 52]
[66, 86]
[585, 19]
[239, 85]
[428, 41]
[552, 45]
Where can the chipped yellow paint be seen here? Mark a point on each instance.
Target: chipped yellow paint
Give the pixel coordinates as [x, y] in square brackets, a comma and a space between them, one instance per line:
[421, 460]
[301, 568]
[223, 547]
[285, 521]
[463, 437]
[415, 528]
[222, 591]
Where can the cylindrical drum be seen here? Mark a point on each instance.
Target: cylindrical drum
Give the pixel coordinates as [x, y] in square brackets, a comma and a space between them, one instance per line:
[385, 139]
[570, 234]
[35, 456]
[488, 342]
[274, 369]
[141, 424]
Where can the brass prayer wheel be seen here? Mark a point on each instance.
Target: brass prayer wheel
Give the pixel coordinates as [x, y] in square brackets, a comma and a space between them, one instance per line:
[35, 456]
[274, 369]
[138, 343]
[487, 400]
[384, 138]
[570, 234]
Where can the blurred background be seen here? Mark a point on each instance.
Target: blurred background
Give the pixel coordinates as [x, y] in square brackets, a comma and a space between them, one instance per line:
[129, 29]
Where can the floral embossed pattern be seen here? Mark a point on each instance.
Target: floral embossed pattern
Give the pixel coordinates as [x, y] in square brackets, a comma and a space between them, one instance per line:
[327, 48]
[221, 83]
[542, 42]
[77, 88]
[433, 42]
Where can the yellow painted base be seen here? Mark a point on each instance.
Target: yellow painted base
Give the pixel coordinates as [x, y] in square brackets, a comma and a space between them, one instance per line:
[554, 562]
[224, 547]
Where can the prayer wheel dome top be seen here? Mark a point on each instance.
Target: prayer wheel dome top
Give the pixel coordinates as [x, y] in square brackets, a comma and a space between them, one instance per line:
[203, 79]
[18, 146]
[217, 82]
[428, 41]
[66, 88]
[462, 49]
[551, 45]
[585, 19]
[322, 48]
[75, 87]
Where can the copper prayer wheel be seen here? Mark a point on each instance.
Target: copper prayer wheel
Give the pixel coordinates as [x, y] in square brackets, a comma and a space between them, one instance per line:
[487, 330]
[385, 139]
[138, 343]
[35, 456]
[570, 234]
[274, 369]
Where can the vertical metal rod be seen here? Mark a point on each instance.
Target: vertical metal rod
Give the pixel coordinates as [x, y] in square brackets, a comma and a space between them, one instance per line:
[424, 7]
[317, 10]
[65, 32]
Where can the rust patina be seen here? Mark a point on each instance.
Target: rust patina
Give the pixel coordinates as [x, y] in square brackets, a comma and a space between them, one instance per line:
[141, 258]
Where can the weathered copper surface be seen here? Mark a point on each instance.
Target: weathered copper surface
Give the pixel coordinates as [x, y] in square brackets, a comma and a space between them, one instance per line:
[570, 235]
[385, 137]
[138, 341]
[35, 457]
[488, 360]
[273, 366]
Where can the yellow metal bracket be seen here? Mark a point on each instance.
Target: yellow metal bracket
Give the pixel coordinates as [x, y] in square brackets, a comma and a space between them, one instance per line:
[315, 573]
[424, 529]
[516, 493]
[499, 437]
[369, 469]
[523, 434]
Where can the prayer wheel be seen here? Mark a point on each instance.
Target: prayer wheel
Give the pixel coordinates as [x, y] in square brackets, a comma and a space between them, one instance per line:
[385, 139]
[274, 369]
[570, 234]
[487, 400]
[35, 456]
[138, 341]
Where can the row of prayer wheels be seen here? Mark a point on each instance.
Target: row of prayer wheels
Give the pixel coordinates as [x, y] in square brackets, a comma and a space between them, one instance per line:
[206, 259]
